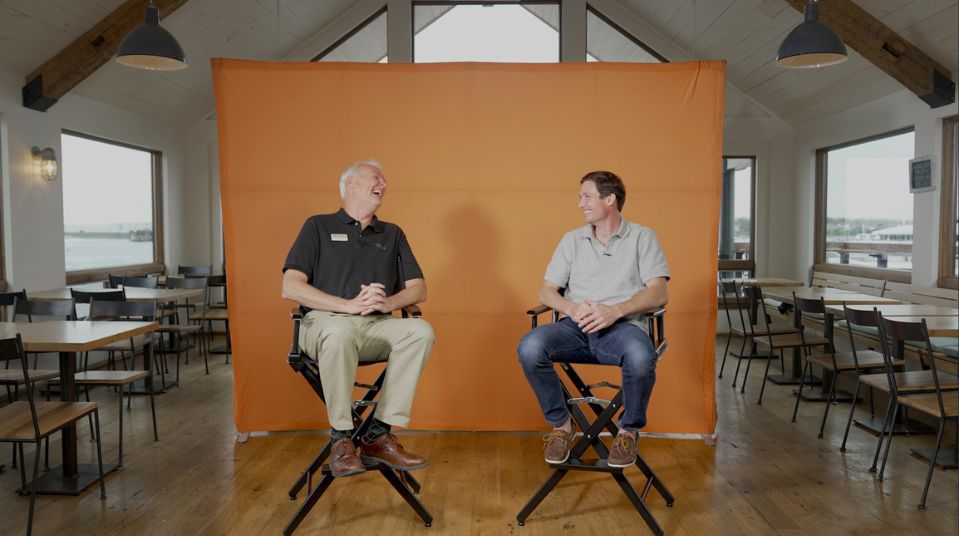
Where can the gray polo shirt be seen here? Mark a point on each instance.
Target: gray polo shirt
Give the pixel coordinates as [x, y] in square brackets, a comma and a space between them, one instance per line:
[608, 274]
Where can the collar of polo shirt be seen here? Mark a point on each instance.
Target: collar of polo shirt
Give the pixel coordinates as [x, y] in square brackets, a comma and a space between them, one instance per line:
[621, 233]
[376, 224]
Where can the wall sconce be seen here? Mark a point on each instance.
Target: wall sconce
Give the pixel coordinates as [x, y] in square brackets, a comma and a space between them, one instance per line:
[49, 169]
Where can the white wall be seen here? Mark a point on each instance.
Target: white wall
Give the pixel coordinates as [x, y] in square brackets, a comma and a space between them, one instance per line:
[33, 207]
[899, 110]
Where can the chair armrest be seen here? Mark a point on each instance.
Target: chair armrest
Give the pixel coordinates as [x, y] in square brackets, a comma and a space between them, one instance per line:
[295, 313]
[411, 311]
[538, 310]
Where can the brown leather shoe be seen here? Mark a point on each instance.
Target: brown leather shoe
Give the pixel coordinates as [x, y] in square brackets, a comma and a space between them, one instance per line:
[623, 451]
[557, 445]
[343, 460]
[387, 450]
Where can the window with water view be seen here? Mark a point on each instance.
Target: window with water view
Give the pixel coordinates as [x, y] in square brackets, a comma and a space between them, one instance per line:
[868, 204]
[107, 204]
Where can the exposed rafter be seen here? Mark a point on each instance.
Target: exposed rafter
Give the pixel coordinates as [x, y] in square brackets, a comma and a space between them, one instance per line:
[887, 50]
[87, 53]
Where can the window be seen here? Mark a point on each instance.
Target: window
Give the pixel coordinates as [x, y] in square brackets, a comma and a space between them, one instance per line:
[496, 33]
[607, 42]
[111, 209]
[864, 208]
[949, 205]
[736, 216]
[366, 43]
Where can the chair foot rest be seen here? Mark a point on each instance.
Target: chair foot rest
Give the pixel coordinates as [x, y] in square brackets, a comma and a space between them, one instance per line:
[587, 400]
[588, 464]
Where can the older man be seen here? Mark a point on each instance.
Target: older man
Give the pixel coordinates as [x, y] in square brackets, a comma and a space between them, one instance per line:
[613, 270]
[350, 270]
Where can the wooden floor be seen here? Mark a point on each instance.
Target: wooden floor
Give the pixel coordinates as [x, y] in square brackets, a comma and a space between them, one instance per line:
[764, 476]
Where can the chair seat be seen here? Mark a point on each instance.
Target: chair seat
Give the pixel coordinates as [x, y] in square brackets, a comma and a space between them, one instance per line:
[107, 377]
[929, 403]
[16, 424]
[14, 376]
[791, 341]
[912, 381]
[124, 345]
[211, 314]
[868, 359]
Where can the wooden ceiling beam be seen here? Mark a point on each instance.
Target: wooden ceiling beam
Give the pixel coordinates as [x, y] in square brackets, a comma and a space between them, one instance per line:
[887, 50]
[87, 53]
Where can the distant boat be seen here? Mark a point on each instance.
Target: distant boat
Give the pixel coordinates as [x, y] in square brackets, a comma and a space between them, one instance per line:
[141, 235]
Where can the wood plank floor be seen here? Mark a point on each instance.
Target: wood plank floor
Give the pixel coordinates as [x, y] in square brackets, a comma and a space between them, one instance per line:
[766, 475]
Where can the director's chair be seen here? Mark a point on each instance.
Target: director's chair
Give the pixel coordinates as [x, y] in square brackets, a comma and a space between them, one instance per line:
[362, 411]
[604, 411]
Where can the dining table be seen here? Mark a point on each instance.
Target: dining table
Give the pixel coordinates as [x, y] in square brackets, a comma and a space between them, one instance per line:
[67, 338]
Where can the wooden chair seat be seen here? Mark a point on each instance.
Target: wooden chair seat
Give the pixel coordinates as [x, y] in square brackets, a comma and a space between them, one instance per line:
[791, 341]
[211, 314]
[929, 403]
[107, 377]
[913, 381]
[16, 424]
[15, 376]
[868, 359]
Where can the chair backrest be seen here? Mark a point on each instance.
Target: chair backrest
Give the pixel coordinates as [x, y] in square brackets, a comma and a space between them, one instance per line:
[186, 282]
[144, 310]
[85, 296]
[11, 298]
[195, 271]
[32, 308]
[856, 317]
[897, 332]
[732, 301]
[11, 349]
[114, 281]
[809, 305]
[147, 281]
[754, 306]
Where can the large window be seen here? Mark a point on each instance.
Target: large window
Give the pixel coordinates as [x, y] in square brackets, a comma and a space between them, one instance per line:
[607, 42]
[736, 216]
[864, 207]
[110, 207]
[366, 43]
[489, 32]
[949, 205]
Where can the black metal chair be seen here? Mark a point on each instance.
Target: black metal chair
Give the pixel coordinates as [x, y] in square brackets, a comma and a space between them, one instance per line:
[941, 404]
[362, 411]
[178, 330]
[84, 297]
[146, 281]
[194, 271]
[32, 421]
[755, 329]
[604, 411]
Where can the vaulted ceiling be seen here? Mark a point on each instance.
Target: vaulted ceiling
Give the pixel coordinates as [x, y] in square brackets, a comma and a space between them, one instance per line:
[746, 33]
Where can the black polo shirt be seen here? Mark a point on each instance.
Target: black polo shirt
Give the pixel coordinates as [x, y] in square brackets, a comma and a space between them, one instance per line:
[337, 257]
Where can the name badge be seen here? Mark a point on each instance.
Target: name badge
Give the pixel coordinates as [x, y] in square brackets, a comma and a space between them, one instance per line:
[338, 237]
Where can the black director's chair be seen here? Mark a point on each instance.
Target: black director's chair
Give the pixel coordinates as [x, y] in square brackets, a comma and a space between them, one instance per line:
[362, 411]
[604, 410]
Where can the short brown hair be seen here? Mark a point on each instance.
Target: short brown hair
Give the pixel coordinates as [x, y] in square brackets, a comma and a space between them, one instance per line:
[607, 183]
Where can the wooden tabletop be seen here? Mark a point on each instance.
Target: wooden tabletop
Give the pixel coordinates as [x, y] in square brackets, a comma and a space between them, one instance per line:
[903, 309]
[938, 326]
[72, 336]
[786, 293]
[162, 295]
[769, 282]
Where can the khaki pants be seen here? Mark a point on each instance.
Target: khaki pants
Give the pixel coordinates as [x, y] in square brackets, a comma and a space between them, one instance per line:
[338, 342]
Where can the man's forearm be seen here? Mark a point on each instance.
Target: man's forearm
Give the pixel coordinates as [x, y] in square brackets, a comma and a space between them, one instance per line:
[410, 295]
[648, 299]
[309, 296]
[553, 300]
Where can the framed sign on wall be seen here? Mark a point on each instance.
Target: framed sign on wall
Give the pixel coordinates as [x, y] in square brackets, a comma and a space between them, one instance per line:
[922, 174]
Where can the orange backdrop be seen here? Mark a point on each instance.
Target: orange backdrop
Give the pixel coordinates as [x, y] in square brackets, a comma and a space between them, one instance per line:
[483, 162]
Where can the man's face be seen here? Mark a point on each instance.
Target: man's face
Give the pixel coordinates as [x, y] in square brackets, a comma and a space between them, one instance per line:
[368, 185]
[595, 207]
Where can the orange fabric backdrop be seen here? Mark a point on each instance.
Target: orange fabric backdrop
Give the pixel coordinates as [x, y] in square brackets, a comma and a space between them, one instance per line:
[483, 162]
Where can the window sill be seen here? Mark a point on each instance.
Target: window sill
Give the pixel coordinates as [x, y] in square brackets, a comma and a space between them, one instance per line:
[101, 274]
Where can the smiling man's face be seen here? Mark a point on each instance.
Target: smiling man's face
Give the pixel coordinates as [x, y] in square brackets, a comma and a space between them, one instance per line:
[368, 186]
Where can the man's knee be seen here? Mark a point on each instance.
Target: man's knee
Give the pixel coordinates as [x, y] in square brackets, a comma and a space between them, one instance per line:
[639, 357]
[532, 349]
[420, 331]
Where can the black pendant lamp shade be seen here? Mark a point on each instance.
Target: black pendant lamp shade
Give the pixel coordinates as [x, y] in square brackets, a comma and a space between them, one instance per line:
[151, 47]
[811, 44]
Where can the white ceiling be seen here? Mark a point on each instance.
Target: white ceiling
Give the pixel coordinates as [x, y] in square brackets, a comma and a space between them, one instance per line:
[746, 33]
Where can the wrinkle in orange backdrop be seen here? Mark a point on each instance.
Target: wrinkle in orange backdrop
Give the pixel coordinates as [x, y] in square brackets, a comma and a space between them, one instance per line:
[483, 163]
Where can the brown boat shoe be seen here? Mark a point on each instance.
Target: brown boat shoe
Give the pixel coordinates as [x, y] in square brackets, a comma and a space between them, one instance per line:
[343, 459]
[557, 445]
[387, 450]
[623, 451]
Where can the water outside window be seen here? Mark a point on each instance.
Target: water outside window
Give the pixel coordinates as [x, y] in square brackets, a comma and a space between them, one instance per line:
[868, 204]
[735, 225]
[107, 204]
[494, 33]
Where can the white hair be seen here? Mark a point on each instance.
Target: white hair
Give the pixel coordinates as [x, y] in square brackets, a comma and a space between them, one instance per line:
[352, 171]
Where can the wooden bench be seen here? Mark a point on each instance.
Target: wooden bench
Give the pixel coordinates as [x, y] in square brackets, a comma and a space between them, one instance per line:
[922, 295]
[864, 285]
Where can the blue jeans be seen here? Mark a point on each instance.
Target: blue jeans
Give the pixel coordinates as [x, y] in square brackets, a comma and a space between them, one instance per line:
[623, 345]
